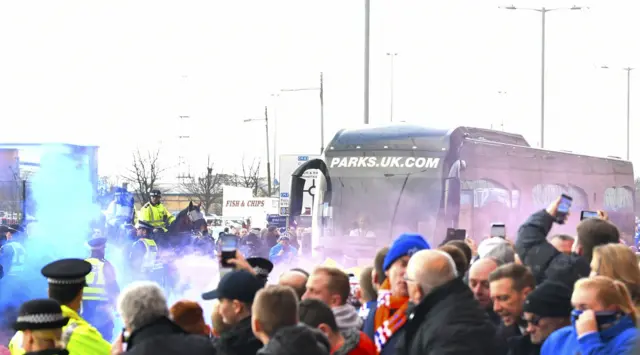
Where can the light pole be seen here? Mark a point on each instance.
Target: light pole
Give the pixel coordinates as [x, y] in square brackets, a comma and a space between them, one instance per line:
[543, 11]
[391, 57]
[275, 133]
[266, 124]
[367, 21]
[628, 70]
[321, 90]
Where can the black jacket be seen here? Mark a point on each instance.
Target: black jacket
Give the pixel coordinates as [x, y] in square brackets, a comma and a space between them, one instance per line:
[448, 321]
[49, 352]
[297, 340]
[545, 261]
[165, 337]
[239, 340]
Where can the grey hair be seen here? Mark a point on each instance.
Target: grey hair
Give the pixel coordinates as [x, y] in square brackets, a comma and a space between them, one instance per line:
[140, 303]
[502, 254]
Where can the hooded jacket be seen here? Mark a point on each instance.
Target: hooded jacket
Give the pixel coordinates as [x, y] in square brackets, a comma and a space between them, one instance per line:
[296, 340]
[347, 317]
[356, 343]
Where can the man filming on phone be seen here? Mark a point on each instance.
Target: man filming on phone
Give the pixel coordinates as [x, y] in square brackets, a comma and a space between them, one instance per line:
[545, 261]
[283, 251]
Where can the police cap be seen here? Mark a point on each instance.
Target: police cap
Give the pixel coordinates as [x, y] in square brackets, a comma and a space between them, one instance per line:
[40, 314]
[261, 266]
[155, 193]
[67, 272]
[97, 243]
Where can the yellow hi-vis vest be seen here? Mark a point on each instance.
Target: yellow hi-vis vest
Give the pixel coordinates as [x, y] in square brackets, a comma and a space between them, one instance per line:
[158, 216]
[96, 283]
[149, 261]
[78, 336]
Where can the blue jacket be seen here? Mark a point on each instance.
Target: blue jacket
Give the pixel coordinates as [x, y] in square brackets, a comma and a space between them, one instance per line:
[619, 339]
[369, 329]
[287, 255]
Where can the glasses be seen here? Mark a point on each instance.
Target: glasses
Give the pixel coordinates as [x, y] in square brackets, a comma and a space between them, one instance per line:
[534, 321]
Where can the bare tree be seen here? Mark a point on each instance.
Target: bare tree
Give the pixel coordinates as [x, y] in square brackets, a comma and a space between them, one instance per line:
[207, 187]
[144, 173]
[250, 177]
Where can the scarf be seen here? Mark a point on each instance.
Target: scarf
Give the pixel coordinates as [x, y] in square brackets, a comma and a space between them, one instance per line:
[386, 324]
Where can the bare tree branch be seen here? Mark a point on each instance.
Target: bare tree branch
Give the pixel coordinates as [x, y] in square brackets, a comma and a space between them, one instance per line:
[206, 187]
[144, 173]
[250, 177]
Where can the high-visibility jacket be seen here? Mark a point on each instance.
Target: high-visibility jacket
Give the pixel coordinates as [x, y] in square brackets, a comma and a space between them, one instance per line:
[158, 216]
[150, 258]
[79, 337]
[18, 259]
[96, 284]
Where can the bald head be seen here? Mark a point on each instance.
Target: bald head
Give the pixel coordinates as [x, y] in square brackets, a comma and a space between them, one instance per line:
[479, 280]
[294, 279]
[430, 269]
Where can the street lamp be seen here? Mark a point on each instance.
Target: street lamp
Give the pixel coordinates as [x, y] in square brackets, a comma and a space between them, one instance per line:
[391, 56]
[266, 124]
[321, 89]
[275, 133]
[628, 69]
[543, 11]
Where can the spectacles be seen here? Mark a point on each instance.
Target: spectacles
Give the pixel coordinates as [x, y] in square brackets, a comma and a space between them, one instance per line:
[534, 321]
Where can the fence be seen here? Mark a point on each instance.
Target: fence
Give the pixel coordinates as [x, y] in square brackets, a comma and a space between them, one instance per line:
[13, 201]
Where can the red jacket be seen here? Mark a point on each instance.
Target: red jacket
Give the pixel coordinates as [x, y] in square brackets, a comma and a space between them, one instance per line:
[364, 346]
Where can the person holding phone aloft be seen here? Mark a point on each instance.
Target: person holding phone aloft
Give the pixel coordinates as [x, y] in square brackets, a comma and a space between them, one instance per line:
[545, 261]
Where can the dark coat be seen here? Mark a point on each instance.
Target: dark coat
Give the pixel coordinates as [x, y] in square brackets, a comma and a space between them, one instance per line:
[545, 261]
[165, 337]
[239, 340]
[448, 321]
[297, 340]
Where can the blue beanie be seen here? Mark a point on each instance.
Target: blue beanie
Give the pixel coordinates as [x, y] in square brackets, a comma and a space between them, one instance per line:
[405, 244]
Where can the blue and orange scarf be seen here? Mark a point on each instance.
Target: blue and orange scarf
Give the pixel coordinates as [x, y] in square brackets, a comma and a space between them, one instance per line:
[390, 315]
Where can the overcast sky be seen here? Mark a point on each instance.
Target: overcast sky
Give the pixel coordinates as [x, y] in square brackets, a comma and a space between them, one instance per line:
[119, 73]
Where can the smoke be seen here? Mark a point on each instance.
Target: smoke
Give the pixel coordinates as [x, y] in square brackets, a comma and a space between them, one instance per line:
[62, 197]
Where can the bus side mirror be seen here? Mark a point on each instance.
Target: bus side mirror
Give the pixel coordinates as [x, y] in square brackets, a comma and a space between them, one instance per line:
[452, 198]
[296, 196]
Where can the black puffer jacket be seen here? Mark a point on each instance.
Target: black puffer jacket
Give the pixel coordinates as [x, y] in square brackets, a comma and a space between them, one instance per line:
[545, 261]
[297, 340]
[448, 321]
[165, 337]
[239, 340]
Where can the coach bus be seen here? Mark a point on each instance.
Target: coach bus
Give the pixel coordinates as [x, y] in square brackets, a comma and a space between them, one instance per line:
[377, 182]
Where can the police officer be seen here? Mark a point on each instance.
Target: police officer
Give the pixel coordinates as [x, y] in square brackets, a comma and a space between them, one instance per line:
[41, 322]
[66, 278]
[155, 214]
[12, 253]
[120, 210]
[143, 255]
[101, 292]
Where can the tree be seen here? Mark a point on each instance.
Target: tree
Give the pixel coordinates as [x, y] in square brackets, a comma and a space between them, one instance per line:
[144, 173]
[250, 177]
[207, 187]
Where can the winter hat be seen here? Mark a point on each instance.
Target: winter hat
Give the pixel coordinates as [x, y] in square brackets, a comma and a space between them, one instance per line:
[405, 244]
[487, 245]
[549, 299]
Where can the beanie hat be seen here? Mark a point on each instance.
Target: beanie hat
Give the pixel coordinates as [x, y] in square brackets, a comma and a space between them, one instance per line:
[405, 244]
[549, 299]
[488, 245]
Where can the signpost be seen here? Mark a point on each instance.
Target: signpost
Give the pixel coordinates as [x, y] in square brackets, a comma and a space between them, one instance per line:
[288, 164]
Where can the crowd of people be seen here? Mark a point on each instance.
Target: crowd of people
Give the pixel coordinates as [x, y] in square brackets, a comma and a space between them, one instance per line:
[539, 294]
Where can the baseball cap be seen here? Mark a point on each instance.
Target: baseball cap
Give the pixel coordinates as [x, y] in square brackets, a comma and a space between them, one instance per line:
[240, 285]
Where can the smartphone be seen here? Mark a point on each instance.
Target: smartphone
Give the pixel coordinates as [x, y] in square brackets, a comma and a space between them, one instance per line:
[563, 208]
[451, 234]
[228, 247]
[588, 214]
[461, 234]
[498, 230]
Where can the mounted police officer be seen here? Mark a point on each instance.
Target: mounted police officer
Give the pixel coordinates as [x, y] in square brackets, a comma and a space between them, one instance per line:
[120, 211]
[101, 292]
[67, 279]
[155, 214]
